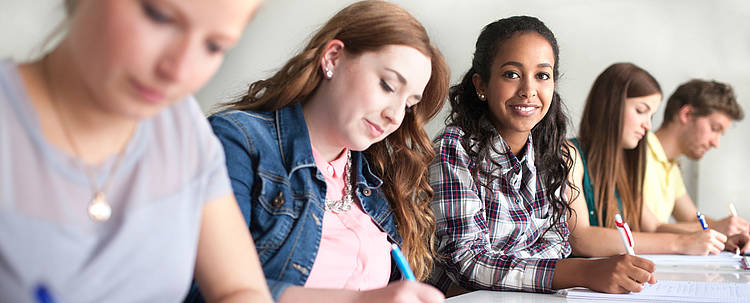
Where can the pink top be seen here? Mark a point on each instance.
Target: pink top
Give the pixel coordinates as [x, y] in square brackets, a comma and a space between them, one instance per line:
[354, 253]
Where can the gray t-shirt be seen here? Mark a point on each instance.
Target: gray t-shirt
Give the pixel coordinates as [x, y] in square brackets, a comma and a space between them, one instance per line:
[146, 251]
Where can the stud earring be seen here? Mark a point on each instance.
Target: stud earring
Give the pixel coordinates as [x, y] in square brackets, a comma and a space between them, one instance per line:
[329, 73]
[482, 96]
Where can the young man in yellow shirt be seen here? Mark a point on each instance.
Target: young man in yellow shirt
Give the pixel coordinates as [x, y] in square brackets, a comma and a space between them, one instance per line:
[695, 117]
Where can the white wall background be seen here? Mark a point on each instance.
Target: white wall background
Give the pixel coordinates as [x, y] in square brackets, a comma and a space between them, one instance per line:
[675, 40]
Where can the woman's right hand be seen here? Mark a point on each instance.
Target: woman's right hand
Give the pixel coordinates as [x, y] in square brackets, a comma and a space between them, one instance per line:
[702, 242]
[618, 274]
[403, 292]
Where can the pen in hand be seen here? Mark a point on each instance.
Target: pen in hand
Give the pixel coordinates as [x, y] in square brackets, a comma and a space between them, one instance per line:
[732, 209]
[625, 234]
[402, 264]
[702, 220]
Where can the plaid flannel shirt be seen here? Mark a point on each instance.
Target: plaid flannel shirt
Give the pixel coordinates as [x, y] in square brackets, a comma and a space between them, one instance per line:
[492, 240]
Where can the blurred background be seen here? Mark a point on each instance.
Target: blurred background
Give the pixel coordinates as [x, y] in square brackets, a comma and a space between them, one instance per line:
[675, 40]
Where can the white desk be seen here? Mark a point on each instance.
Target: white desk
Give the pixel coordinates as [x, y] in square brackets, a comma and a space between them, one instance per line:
[693, 272]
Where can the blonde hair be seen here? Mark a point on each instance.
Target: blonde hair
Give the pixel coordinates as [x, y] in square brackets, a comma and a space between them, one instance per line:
[402, 158]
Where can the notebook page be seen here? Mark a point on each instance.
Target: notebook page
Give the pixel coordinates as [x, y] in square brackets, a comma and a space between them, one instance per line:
[683, 291]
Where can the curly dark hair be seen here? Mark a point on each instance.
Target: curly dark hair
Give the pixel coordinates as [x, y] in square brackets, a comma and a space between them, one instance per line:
[468, 112]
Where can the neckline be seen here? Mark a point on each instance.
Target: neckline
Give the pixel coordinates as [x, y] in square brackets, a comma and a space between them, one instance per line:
[66, 165]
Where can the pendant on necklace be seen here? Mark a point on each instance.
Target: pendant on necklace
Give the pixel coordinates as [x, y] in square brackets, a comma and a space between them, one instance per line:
[99, 209]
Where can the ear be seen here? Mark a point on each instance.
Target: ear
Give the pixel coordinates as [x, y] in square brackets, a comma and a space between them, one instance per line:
[332, 54]
[685, 113]
[476, 79]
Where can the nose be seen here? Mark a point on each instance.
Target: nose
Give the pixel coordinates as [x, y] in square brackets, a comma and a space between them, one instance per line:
[715, 142]
[527, 89]
[394, 113]
[174, 63]
[647, 124]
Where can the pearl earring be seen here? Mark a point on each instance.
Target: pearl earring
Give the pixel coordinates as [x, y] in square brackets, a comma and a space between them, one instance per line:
[482, 96]
[329, 73]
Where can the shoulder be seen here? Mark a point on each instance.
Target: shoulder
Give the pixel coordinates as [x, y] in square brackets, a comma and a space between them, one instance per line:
[576, 156]
[450, 138]
[180, 141]
[572, 146]
[183, 120]
[243, 119]
[252, 127]
[450, 133]
[449, 148]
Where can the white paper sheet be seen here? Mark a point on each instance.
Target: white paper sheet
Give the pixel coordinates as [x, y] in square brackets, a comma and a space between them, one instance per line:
[673, 291]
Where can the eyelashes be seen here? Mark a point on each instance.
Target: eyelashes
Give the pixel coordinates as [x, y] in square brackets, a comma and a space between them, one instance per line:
[154, 14]
[159, 17]
[515, 75]
[387, 88]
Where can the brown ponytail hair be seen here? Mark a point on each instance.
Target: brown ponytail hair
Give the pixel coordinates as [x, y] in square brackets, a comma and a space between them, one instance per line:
[401, 159]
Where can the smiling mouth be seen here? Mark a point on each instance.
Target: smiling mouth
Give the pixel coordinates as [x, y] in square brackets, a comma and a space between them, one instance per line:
[524, 109]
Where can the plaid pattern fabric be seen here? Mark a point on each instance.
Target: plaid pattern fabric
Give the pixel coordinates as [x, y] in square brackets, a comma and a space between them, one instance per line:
[492, 239]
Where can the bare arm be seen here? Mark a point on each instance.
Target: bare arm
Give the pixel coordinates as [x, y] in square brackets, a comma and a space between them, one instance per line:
[684, 213]
[594, 241]
[684, 209]
[227, 267]
[649, 223]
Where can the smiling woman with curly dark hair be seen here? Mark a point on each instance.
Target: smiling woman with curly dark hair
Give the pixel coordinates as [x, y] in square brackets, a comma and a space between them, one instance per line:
[501, 176]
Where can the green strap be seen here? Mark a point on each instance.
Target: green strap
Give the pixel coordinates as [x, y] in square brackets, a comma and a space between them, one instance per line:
[588, 188]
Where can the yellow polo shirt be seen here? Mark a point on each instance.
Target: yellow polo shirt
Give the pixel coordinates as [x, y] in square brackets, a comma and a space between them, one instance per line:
[662, 184]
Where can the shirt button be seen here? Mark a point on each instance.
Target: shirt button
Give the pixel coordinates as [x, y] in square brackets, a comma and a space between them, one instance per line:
[366, 192]
[278, 201]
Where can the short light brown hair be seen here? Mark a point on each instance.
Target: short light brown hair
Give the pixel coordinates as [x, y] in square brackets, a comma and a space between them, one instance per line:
[706, 97]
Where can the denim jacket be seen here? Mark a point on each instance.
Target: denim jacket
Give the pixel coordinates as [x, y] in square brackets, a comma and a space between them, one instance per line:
[281, 192]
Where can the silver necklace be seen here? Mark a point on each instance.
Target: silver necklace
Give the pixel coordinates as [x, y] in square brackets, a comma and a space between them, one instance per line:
[98, 208]
[345, 204]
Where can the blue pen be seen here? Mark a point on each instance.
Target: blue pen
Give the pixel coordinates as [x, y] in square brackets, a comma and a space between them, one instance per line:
[42, 295]
[702, 219]
[401, 262]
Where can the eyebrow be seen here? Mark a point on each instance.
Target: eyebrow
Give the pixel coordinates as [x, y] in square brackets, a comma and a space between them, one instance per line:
[400, 77]
[518, 64]
[648, 107]
[402, 80]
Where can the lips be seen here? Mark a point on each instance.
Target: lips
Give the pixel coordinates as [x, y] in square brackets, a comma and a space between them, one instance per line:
[375, 130]
[147, 93]
[524, 109]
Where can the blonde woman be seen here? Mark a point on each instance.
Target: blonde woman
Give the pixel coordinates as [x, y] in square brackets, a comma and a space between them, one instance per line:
[112, 186]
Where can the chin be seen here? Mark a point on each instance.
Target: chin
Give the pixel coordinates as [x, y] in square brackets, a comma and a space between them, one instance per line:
[630, 145]
[360, 146]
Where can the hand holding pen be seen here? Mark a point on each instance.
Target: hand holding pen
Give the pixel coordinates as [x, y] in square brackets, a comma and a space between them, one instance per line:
[704, 242]
[732, 224]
